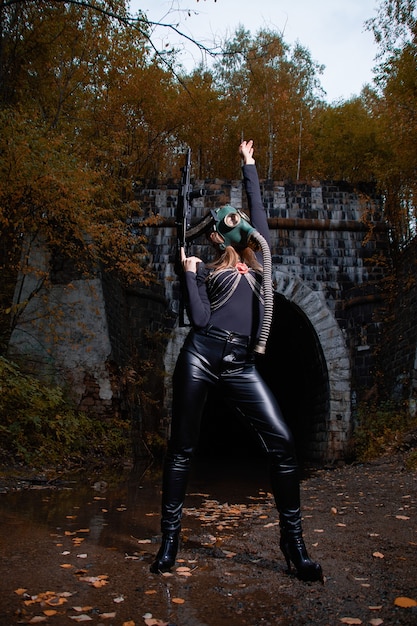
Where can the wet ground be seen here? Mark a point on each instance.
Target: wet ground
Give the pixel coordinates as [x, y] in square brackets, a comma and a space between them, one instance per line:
[79, 550]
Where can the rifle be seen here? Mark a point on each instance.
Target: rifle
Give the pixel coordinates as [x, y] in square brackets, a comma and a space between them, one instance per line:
[183, 212]
[185, 233]
[183, 222]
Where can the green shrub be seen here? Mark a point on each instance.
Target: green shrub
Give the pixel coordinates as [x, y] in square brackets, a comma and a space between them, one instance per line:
[156, 444]
[380, 429]
[411, 461]
[39, 427]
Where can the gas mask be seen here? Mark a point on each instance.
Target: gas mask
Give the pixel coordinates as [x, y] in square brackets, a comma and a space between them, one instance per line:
[233, 226]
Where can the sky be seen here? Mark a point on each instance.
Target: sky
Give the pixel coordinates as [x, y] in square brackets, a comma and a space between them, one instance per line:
[332, 30]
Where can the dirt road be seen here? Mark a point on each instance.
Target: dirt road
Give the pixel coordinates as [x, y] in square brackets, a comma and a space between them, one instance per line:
[74, 554]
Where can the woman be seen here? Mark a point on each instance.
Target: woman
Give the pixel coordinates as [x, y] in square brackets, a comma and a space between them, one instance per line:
[225, 303]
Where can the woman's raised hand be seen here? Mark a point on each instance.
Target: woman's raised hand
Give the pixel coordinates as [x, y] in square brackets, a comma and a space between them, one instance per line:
[246, 152]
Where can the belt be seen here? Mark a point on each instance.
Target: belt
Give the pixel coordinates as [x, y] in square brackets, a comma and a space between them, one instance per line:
[225, 335]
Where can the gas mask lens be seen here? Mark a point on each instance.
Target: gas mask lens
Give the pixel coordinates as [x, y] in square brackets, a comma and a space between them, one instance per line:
[232, 220]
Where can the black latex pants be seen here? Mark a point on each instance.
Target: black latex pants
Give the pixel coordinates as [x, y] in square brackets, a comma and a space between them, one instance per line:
[219, 358]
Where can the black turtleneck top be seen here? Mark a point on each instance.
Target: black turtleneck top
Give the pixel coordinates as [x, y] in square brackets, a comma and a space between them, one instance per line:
[231, 299]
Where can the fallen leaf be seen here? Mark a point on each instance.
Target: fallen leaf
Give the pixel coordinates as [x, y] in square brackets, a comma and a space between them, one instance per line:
[178, 600]
[119, 599]
[350, 620]
[99, 583]
[229, 554]
[404, 602]
[37, 619]
[150, 592]
[375, 608]
[20, 591]
[56, 601]
[378, 555]
[50, 612]
[376, 621]
[81, 618]
[129, 623]
[95, 581]
[66, 565]
[150, 621]
[107, 615]
[401, 517]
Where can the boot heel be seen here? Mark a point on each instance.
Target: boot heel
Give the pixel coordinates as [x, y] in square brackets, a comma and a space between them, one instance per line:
[284, 551]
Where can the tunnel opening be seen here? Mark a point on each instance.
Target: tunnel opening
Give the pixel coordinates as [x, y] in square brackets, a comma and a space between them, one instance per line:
[294, 367]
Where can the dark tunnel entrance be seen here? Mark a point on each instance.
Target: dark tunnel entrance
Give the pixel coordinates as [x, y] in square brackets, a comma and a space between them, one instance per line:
[295, 369]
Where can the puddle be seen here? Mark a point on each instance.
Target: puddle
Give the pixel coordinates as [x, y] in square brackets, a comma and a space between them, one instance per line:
[55, 536]
[118, 507]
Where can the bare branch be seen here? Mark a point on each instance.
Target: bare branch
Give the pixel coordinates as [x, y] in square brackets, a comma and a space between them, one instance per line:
[135, 24]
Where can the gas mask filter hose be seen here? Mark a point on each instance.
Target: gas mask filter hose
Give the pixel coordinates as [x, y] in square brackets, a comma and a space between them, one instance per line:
[260, 347]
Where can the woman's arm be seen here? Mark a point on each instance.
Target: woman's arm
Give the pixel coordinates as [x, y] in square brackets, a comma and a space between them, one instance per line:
[198, 304]
[251, 181]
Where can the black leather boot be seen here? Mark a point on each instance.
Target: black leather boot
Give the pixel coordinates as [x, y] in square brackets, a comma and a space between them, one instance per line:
[295, 552]
[174, 485]
[165, 559]
[286, 489]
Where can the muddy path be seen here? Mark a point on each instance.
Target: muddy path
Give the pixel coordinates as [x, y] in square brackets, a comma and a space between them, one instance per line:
[80, 550]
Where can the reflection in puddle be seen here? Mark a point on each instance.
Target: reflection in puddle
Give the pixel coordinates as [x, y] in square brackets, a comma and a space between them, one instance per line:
[122, 508]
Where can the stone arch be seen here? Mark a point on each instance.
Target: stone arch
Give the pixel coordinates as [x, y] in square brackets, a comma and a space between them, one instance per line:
[332, 433]
[336, 360]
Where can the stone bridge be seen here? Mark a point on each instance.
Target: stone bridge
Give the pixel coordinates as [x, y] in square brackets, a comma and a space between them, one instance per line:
[328, 246]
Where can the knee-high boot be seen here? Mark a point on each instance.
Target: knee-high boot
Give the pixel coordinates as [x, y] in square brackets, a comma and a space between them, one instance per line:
[174, 485]
[286, 490]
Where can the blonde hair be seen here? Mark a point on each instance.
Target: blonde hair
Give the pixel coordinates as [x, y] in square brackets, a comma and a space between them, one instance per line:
[230, 257]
